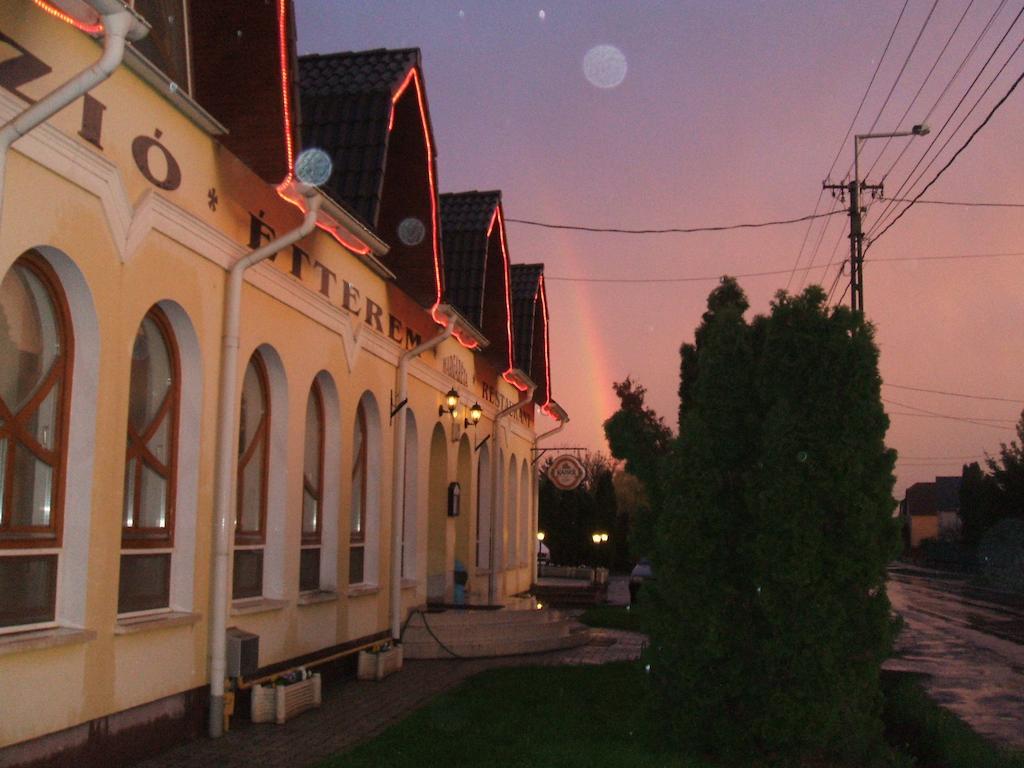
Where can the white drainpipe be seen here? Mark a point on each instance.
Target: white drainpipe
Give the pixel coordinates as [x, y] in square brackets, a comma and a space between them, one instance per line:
[492, 579]
[398, 476]
[119, 24]
[224, 475]
[563, 419]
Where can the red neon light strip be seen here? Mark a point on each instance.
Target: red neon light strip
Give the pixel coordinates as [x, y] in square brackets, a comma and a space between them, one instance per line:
[499, 218]
[286, 97]
[413, 77]
[285, 191]
[547, 350]
[92, 29]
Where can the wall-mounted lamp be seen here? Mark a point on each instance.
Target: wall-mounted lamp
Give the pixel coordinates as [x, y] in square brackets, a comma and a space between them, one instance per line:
[475, 413]
[451, 402]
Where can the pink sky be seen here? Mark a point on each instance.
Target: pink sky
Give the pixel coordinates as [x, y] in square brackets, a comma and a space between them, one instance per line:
[731, 112]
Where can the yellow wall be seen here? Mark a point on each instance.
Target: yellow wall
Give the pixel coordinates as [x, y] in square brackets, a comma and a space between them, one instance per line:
[136, 245]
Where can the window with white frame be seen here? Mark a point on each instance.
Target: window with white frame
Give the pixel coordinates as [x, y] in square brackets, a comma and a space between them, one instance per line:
[251, 496]
[36, 349]
[312, 492]
[357, 512]
[150, 478]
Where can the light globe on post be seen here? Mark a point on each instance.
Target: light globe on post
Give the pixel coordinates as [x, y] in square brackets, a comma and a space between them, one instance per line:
[475, 414]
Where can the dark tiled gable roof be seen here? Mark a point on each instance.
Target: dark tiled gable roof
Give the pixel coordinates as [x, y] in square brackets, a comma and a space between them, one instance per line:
[465, 217]
[345, 101]
[525, 281]
[947, 494]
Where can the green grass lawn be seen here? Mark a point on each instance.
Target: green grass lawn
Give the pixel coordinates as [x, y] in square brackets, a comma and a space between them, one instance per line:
[541, 717]
[596, 717]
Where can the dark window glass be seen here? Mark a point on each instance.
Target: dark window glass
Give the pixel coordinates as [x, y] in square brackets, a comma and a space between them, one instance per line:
[28, 589]
[355, 565]
[145, 583]
[166, 44]
[309, 570]
[248, 574]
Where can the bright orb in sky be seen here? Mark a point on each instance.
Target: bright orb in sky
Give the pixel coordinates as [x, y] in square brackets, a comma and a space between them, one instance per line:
[542, 14]
[604, 66]
[411, 231]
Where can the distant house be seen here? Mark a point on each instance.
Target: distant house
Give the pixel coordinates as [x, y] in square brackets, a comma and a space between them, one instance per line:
[931, 511]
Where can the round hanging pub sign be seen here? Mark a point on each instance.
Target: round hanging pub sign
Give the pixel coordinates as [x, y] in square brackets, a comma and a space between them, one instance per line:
[566, 472]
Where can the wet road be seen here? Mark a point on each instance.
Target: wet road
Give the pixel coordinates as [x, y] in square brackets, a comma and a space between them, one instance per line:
[971, 645]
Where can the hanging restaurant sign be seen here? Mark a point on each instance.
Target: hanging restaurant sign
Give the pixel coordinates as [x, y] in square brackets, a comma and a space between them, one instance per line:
[566, 472]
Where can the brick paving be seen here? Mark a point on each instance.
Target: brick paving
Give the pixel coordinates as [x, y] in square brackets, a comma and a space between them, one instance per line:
[354, 711]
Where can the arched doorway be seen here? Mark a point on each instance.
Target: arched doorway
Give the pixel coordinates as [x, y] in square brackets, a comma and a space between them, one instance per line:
[437, 516]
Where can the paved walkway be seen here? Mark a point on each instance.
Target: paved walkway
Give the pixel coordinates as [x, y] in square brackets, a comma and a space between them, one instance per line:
[355, 711]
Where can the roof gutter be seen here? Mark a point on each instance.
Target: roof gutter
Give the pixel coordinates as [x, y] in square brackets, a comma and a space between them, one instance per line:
[119, 24]
[223, 517]
[526, 397]
[398, 475]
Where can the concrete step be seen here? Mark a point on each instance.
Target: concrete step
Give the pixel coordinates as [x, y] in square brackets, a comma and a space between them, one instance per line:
[574, 635]
[466, 632]
[503, 617]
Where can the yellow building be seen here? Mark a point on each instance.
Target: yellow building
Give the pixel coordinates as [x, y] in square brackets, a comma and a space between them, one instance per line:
[224, 396]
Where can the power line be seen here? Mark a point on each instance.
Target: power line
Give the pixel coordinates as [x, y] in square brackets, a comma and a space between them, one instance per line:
[889, 206]
[962, 203]
[925, 412]
[950, 418]
[949, 84]
[672, 230]
[1017, 401]
[953, 158]
[842, 262]
[924, 82]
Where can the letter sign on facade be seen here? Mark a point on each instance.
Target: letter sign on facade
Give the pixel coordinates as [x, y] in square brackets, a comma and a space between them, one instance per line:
[566, 472]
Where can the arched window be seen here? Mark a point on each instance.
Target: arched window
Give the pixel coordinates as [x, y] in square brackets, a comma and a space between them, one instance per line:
[312, 492]
[251, 496]
[357, 541]
[150, 468]
[35, 363]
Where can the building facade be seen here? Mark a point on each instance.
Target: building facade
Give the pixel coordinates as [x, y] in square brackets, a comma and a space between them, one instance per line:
[156, 424]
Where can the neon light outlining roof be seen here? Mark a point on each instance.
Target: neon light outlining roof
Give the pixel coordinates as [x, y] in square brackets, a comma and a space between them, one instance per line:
[286, 96]
[92, 29]
[499, 217]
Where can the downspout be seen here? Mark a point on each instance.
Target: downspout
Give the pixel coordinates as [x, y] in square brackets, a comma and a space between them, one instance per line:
[398, 475]
[223, 517]
[562, 421]
[119, 23]
[492, 579]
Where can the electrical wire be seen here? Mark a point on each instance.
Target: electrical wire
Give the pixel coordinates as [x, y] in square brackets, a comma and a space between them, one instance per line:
[842, 262]
[849, 129]
[953, 158]
[924, 82]
[938, 134]
[949, 83]
[672, 230]
[962, 203]
[1017, 401]
[950, 418]
[926, 412]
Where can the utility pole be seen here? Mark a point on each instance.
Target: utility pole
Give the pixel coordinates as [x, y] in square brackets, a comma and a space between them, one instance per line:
[854, 189]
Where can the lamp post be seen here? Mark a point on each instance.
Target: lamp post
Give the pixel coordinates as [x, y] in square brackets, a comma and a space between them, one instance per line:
[855, 187]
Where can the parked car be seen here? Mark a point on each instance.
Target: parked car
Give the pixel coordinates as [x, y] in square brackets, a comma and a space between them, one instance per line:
[641, 572]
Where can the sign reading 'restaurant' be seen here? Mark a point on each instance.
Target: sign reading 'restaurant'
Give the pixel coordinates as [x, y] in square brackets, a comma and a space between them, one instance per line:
[566, 472]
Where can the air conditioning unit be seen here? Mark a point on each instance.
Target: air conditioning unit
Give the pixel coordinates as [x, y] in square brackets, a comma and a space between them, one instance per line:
[243, 653]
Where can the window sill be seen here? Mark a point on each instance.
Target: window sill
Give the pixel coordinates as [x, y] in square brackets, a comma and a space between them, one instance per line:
[360, 590]
[44, 638]
[133, 624]
[409, 583]
[317, 597]
[256, 605]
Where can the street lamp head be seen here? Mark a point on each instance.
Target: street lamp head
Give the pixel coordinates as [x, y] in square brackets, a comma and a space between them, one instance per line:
[921, 130]
[451, 402]
[540, 535]
[597, 538]
[604, 537]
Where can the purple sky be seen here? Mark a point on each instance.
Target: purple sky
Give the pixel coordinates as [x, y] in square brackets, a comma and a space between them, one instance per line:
[732, 112]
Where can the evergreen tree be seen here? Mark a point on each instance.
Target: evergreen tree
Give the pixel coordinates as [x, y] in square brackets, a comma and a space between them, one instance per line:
[770, 618]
